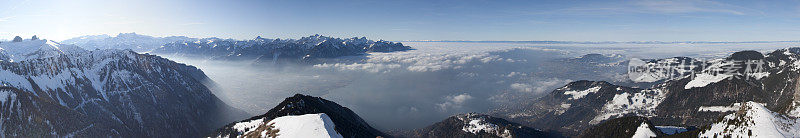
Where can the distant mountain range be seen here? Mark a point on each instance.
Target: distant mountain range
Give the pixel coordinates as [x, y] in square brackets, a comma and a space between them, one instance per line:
[136, 42]
[269, 50]
[258, 49]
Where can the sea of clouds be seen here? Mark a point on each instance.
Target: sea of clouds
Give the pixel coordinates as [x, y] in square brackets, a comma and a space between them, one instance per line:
[411, 89]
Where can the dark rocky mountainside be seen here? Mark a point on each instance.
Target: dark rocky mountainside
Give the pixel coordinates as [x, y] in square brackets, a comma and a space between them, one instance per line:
[473, 125]
[695, 100]
[51, 90]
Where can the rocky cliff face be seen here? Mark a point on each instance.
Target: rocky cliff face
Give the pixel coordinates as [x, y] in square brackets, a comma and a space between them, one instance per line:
[53, 91]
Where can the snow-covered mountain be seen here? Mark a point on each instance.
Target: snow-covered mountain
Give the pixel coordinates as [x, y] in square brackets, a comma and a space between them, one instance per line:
[268, 50]
[689, 101]
[54, 90]
[476, 125]
[33, 49]
[302, 116]
[136, 42]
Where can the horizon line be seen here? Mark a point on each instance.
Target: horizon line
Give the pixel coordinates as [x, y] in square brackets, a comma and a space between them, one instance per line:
[471, 41]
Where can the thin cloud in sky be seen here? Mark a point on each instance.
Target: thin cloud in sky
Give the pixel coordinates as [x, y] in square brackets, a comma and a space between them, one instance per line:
[3, 19]
[692, 6]
[193, 23]
[653, 7]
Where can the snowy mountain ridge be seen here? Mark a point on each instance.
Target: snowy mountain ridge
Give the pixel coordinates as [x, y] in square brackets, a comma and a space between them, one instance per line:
[33, 49]
[136, 42]
[269, 50]
[754, 120]
[305, 126]
[125, 93]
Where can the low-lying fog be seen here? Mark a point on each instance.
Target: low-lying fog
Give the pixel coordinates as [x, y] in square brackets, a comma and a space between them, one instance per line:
[412, 89]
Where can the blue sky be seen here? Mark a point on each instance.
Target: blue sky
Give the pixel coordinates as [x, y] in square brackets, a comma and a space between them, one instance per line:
[563, 20]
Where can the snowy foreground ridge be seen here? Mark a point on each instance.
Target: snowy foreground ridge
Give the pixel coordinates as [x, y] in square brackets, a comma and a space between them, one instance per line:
[754, 120]
[300, 126]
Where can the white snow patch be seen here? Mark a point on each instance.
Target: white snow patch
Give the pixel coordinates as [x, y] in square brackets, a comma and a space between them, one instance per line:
[244, 127]
[795, 112]
[758, 75]
[643, 131]
[305, 126]
[478, 124]
[6, 95]
[642, 103]
[701, 80]
[580, 94]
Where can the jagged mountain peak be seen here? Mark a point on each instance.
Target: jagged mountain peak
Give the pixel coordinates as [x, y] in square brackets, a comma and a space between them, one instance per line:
[270, 50]
[34, 49]
[132, 34]
[133, 41]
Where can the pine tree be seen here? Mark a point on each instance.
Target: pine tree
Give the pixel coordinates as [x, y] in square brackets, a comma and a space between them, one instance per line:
[34, 37]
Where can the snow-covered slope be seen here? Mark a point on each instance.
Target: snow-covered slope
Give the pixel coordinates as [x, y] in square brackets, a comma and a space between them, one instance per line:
[125, 94]
[300, 115]
[294, 126]
[754, 120]
[596, 101]
[644, 131]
